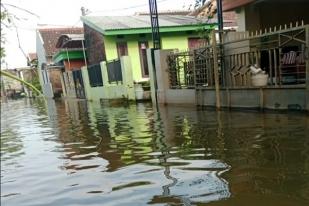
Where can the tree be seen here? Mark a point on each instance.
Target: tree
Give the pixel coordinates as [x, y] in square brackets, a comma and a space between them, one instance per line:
[8, 20]
[5, 22]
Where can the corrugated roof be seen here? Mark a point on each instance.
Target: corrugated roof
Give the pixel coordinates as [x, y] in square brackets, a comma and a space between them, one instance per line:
[50, 37]
[107, 23]
[70, 41]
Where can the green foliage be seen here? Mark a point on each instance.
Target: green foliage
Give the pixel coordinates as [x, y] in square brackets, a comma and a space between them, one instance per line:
[199, 3]
[36, 82]
[5, 22]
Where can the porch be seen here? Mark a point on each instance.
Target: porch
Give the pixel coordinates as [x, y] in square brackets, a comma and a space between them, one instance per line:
[281, 52]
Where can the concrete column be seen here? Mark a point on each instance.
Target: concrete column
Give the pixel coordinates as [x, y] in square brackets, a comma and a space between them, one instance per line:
[64, 89]
[86, 82]
[127, 76]
[162, 75]
[104, 74]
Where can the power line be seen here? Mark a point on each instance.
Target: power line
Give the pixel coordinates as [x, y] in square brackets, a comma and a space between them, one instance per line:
[125, 8]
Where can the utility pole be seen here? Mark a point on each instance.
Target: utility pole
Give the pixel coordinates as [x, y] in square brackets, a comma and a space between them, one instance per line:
[153, 12]
[220, 28]
[154, 24]
[220, 16]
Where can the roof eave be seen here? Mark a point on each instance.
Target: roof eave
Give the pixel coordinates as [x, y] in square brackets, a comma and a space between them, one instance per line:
[162, 29]
[64, 55]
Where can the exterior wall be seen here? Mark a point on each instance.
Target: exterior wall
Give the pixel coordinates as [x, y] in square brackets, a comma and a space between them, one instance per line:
[95, 46]
[55, 80]
[68, 85]
[283, 14]
[165, 95]
[111, 91]
[241, 19]
[253, 17]
[232, 4]
[12, 84]
[92, 93]
[255, 98]
[169, 41]
[73, 65]
[46, 86]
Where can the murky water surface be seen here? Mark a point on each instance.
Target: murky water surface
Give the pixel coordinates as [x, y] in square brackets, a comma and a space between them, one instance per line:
[73, 153]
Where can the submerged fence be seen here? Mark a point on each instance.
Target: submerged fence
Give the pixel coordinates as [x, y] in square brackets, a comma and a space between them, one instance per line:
[281, 52]
[114, 71]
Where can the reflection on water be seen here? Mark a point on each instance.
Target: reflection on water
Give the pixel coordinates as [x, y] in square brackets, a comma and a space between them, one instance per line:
[78, 153]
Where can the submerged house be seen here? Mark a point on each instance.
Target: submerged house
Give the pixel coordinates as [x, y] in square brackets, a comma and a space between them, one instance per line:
[108, 39]
[274, 40]
[50, 74]
[71, 58]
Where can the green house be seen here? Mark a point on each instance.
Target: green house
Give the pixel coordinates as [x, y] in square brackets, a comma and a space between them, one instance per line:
[110, 37]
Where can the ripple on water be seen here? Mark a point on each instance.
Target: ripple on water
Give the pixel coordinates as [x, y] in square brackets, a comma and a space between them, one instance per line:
[78, 153]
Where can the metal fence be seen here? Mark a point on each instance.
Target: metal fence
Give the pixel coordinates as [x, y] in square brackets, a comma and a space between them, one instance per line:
[281, 52]
[95, 75]
[114, 71]
[181, 69]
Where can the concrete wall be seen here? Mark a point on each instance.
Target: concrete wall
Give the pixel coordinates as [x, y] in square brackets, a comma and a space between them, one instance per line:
[169, 41]
[92, 93]
[164, 94]
[67, 78]
[46, 86]
[254, 98]
[111, 91]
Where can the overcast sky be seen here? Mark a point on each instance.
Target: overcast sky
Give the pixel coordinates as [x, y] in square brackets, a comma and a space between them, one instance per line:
[66, 13]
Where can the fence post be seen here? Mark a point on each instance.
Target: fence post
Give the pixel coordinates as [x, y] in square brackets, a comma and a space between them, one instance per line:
[127, 76]
[104, 74]
[216, 75]
[307, 68]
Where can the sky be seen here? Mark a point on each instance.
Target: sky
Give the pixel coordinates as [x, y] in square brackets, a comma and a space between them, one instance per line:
[57, 13]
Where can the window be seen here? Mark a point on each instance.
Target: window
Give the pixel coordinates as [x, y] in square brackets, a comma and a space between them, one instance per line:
[95, 75]
[44, 73]
[143, 58]
[195, 43]
[122, 49]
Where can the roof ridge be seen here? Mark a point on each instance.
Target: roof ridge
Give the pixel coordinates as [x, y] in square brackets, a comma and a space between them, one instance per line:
[59, 28]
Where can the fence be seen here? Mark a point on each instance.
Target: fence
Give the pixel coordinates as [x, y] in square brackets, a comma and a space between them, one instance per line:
[95, 75]
[281, 52]
[181, 69]
[114, 71]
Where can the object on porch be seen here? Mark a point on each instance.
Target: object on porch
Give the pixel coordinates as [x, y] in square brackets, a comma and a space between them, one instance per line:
[258, 76]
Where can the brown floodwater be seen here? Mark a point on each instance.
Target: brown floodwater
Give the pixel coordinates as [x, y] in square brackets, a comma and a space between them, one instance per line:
[77, 153]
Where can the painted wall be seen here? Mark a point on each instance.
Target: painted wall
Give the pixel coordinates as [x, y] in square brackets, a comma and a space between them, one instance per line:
[169, 41]
[46, 86]
[111, 91]
[73, 65]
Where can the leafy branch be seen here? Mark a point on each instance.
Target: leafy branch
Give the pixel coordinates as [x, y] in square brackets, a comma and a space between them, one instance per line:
[8, 20]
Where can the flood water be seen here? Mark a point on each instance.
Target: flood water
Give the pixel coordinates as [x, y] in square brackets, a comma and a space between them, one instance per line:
[78, 153]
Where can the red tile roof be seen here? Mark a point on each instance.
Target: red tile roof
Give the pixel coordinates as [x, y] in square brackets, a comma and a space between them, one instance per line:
[210, 8]
[50, 37]
[32, 56]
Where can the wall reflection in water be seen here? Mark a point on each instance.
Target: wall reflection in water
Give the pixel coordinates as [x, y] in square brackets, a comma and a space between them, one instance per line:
[135, 155]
